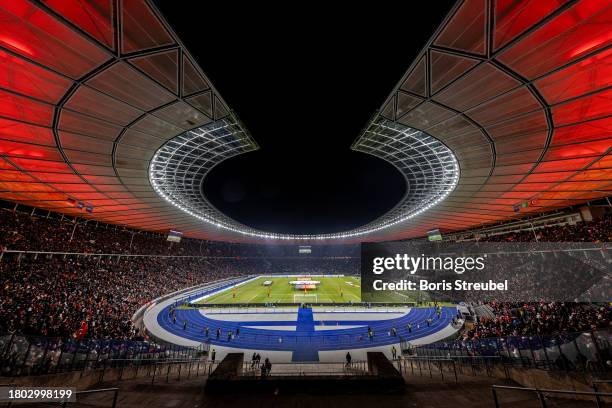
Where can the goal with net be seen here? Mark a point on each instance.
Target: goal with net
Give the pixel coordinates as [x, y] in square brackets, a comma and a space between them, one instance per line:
[305, 298]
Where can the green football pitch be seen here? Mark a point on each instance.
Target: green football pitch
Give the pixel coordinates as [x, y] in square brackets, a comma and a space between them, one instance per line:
[332, 289]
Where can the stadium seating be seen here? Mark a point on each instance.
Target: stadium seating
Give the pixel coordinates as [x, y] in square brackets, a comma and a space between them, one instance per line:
[105, 291]
[22, 231]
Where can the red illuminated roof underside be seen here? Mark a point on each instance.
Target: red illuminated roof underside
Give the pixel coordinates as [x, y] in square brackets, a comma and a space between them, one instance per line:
[520, 91]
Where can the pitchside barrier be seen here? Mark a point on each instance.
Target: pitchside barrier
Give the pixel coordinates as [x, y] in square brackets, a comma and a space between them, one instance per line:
[212, 288]
[354, 304]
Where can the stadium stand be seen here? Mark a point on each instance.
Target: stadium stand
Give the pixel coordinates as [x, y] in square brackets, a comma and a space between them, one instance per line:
[52, 297]
[104, 288]
[25, 230]
[499, 319]
[596, 231]
[520, 319]
[107, 122]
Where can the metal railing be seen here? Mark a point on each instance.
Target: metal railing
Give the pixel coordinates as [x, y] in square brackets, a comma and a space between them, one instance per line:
[595, 386]
[302, 369]
[542, 394]
[453, 366]
[32, 355]
[186, 368]
[156, 369]
[428, 365]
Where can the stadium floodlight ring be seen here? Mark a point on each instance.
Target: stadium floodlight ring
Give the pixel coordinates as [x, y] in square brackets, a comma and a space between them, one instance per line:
[178, 168]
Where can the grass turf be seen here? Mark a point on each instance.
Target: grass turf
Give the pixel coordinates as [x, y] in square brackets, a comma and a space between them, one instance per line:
[332, 289]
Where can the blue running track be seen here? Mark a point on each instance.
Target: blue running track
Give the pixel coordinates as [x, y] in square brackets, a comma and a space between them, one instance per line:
[305, 341]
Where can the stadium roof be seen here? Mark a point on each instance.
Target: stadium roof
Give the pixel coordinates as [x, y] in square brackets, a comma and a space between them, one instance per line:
[505, 112]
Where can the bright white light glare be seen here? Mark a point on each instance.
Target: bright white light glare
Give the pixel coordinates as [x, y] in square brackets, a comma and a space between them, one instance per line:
[179, 167]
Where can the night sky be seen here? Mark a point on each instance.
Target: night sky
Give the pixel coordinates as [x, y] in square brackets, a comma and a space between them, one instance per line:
[305, 82]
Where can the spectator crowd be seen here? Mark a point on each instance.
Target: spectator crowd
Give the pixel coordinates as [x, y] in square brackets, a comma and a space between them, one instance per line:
[515, 318]
[57, 297]
[95, 296]
[24, 232]
[594, 231]
[542, 318]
